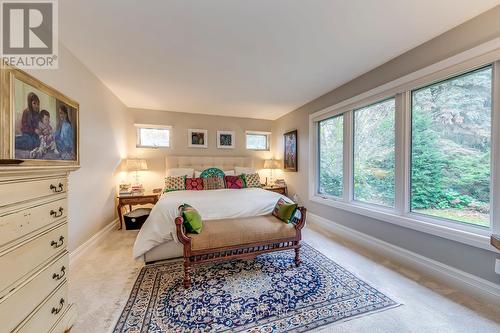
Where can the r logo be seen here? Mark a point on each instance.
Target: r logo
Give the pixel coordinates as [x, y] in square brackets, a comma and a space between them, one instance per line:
[27, 28]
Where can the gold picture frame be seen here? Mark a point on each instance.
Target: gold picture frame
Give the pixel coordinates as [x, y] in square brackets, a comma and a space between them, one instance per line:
[25, 102]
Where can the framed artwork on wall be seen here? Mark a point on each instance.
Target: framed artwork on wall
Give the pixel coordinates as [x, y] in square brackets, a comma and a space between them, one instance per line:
[39, 124]
[197, 138]
[290, 157]
[226, 139]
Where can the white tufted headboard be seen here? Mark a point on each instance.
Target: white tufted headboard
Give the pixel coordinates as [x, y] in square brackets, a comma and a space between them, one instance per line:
[201, 163]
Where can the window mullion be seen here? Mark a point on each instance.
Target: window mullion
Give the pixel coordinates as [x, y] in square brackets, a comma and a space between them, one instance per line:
[399, 154]
[348, 194]
[405, 158]
[495, 153]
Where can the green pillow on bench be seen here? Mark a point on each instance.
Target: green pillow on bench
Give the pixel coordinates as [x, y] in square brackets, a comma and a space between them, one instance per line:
[192, 219]
[284, 211]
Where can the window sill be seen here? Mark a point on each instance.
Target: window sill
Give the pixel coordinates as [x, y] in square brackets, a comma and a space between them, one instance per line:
[479, 239]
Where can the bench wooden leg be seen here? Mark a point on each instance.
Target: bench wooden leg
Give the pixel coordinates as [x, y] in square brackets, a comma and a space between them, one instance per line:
[297, 256]
[187, 269]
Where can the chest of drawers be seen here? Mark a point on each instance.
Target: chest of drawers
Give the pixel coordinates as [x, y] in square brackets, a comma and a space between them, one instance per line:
[34, 262]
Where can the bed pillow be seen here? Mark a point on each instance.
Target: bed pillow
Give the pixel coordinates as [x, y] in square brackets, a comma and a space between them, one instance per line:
[175, 183]
[252, 180]
[229, 173]
[176, 172]
[194, 184]
[243, 170]
[234, 182]
[212, 172]
[213, 183]
[284, 211]
[192, 219]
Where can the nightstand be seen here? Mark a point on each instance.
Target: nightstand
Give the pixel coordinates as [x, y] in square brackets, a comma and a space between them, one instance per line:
[281, 189]
[135, 199]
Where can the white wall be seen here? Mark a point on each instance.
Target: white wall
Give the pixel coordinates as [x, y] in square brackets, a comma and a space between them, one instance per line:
[102, 145]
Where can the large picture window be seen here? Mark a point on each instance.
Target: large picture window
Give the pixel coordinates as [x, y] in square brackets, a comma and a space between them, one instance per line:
[422, 151]
[450, 152]
[374, 147]
[331, 165]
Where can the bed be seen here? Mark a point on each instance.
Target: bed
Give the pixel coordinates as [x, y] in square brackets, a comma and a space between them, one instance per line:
[157, 238]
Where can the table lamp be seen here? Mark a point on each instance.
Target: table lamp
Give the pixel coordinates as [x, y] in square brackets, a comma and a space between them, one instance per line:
[136, 165]
[271, 164]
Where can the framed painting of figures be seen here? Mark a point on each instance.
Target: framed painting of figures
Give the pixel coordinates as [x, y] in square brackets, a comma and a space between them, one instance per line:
[39, 124]
[290, 151]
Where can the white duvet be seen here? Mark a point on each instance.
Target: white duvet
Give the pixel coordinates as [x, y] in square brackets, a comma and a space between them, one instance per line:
[211, 204]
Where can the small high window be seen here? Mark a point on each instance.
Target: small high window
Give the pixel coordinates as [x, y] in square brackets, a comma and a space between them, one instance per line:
[153, 136]
[257, 140]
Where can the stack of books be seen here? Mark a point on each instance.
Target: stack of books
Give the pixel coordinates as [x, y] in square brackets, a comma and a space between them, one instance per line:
[137, 189]
[125, 189]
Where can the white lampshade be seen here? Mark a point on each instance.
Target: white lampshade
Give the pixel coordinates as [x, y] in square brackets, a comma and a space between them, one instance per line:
[136, 165]
[271, 164]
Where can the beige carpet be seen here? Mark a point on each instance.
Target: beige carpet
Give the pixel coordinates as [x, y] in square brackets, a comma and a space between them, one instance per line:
[102, 278]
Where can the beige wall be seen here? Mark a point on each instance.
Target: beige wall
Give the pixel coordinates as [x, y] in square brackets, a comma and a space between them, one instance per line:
[102, 144]
[180, 123]
[472, 33]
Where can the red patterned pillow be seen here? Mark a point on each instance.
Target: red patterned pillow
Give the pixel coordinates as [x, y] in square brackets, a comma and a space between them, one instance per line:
[235, 182]
[194, 184]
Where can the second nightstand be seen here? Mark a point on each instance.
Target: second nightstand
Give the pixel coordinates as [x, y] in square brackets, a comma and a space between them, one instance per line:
[281, 189]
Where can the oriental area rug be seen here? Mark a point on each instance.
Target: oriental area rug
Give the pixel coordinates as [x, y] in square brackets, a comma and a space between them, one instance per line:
[266, 294]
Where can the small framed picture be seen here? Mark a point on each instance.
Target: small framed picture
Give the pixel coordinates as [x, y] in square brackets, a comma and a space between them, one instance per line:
[197, 138]
[290, 151]
[225, 139]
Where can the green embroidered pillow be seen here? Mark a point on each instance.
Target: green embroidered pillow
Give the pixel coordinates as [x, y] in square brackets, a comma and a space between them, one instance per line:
[284, 211]
[252, 180]
[212, 172]
[175, 183]
[192, 219]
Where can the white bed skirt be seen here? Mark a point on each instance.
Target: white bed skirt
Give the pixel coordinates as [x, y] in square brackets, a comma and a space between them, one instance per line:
[167, 250]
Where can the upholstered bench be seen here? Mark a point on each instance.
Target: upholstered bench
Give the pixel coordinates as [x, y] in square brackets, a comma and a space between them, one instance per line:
[229, 239]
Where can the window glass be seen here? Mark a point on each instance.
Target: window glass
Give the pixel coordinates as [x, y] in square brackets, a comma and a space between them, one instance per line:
[331, 152]
[257, 141]
[154, 137]
[374, 147]
[450, 153]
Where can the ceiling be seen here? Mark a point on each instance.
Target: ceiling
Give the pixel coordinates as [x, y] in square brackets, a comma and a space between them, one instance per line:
[258, 58]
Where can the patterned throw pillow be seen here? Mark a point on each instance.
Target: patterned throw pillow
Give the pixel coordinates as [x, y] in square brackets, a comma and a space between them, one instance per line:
[235, 182]
[252, 180]
[213, 183]
[194, 184]
[175, 183]
[192, 219]
[212, 172]
[284, 211]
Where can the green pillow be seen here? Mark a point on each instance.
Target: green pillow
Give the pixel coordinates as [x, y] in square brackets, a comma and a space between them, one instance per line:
[284, 211]
[192, 219]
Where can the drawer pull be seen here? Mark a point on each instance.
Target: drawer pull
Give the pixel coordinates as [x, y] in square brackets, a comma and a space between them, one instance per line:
[58, 188]
[55, 244]
[56, 213]
[59, 276]
[55, 311]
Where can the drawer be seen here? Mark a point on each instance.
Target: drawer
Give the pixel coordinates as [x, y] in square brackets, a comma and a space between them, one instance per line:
[29, 256]
[18, 224]
[46, 315]
[18, 305]
[25, 190]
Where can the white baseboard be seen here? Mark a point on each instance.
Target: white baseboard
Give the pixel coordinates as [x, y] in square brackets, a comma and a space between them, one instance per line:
[76, 253]
[461, 280]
